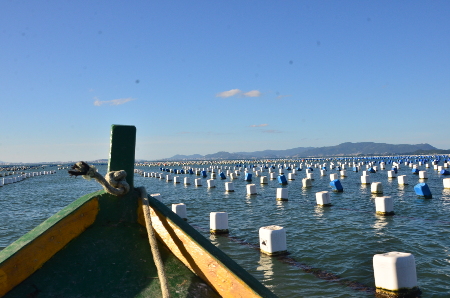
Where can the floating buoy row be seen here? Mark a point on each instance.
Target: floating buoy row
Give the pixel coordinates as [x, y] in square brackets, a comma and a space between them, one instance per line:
[394, 272]
[23, 176]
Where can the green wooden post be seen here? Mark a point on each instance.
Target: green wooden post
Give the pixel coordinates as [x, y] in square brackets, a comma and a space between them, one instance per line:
[122, 152]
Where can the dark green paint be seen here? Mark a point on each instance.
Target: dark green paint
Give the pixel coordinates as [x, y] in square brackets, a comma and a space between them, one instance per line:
[110, 260]
[122, 150]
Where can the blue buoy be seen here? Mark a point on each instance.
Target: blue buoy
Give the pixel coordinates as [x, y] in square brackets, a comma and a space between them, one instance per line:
[282, 179]
[355, 169]
[182, 171]
[395, 170]
[444, 172]
[422, 190]
[222, 175]
[248, 177]
[371, 170]
[204, 174]
[415, 171]
[336, 185]
[191, 171]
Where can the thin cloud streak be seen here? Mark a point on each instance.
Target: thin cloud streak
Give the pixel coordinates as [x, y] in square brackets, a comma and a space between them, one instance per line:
[258, 125]
[239, 93]
[253, 93]
[113, 102]
[228, 93]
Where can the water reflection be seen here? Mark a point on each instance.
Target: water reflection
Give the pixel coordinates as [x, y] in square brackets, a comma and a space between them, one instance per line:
[213, 239]
[380, 224]
[266, 266]
[281, 205]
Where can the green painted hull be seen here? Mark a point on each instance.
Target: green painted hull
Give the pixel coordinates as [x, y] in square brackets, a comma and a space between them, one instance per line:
[98, 247]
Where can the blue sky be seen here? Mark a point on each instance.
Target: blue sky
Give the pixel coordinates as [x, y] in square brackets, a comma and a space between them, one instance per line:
[208, 76]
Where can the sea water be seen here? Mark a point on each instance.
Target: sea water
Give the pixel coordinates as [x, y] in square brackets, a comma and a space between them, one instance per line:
[330, 248]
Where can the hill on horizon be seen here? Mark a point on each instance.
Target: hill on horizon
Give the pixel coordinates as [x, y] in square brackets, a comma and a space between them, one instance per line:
[343, 149]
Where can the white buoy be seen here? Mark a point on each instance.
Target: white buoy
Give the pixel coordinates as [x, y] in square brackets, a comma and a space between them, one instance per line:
[187, 180]
[232, 176]
[310, 176]
[384, 205]
[210, 183]
[391, 174]
[427, 165]
[157, 196]
[291, 176]
[251, 189]
[395, 273]
[213, 176]
[282, 194]
[423, 175]
[343, 173]
[440, 168]
[180, 210]
[323, 198]
[445, 165]
[272, 240]
[376, 187]
[306, 182]
[273, 176]
[198, 181]
[365, 173]
[176, 179]
[402, 180]
[365, 179]
[218, 222]
[446, 182]
[323, 173]
[333, 176]
[263, 180]
[229, 187]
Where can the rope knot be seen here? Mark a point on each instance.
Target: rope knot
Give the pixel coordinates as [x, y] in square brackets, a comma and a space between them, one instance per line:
[115, 182]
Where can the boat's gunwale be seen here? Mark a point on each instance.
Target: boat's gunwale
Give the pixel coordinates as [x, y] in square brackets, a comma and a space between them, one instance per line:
[46, 225]
[241, 275]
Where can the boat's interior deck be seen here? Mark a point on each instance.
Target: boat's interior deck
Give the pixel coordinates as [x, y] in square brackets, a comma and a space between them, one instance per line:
[110, 260]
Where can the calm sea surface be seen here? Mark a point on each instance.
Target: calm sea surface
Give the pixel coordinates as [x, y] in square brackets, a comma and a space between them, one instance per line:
[331, 248]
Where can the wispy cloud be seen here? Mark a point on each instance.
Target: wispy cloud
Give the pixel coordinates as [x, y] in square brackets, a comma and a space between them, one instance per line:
[253, 93]
[258, 125]
[281, 96]
[229, 93]
[240, 93]
[271, 131]
[113, 102]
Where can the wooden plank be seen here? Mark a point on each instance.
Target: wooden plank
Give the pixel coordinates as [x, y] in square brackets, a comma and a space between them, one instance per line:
[26, 255]
[202, 257]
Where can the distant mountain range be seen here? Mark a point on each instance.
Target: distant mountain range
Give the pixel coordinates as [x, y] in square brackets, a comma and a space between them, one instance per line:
[344, 149]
